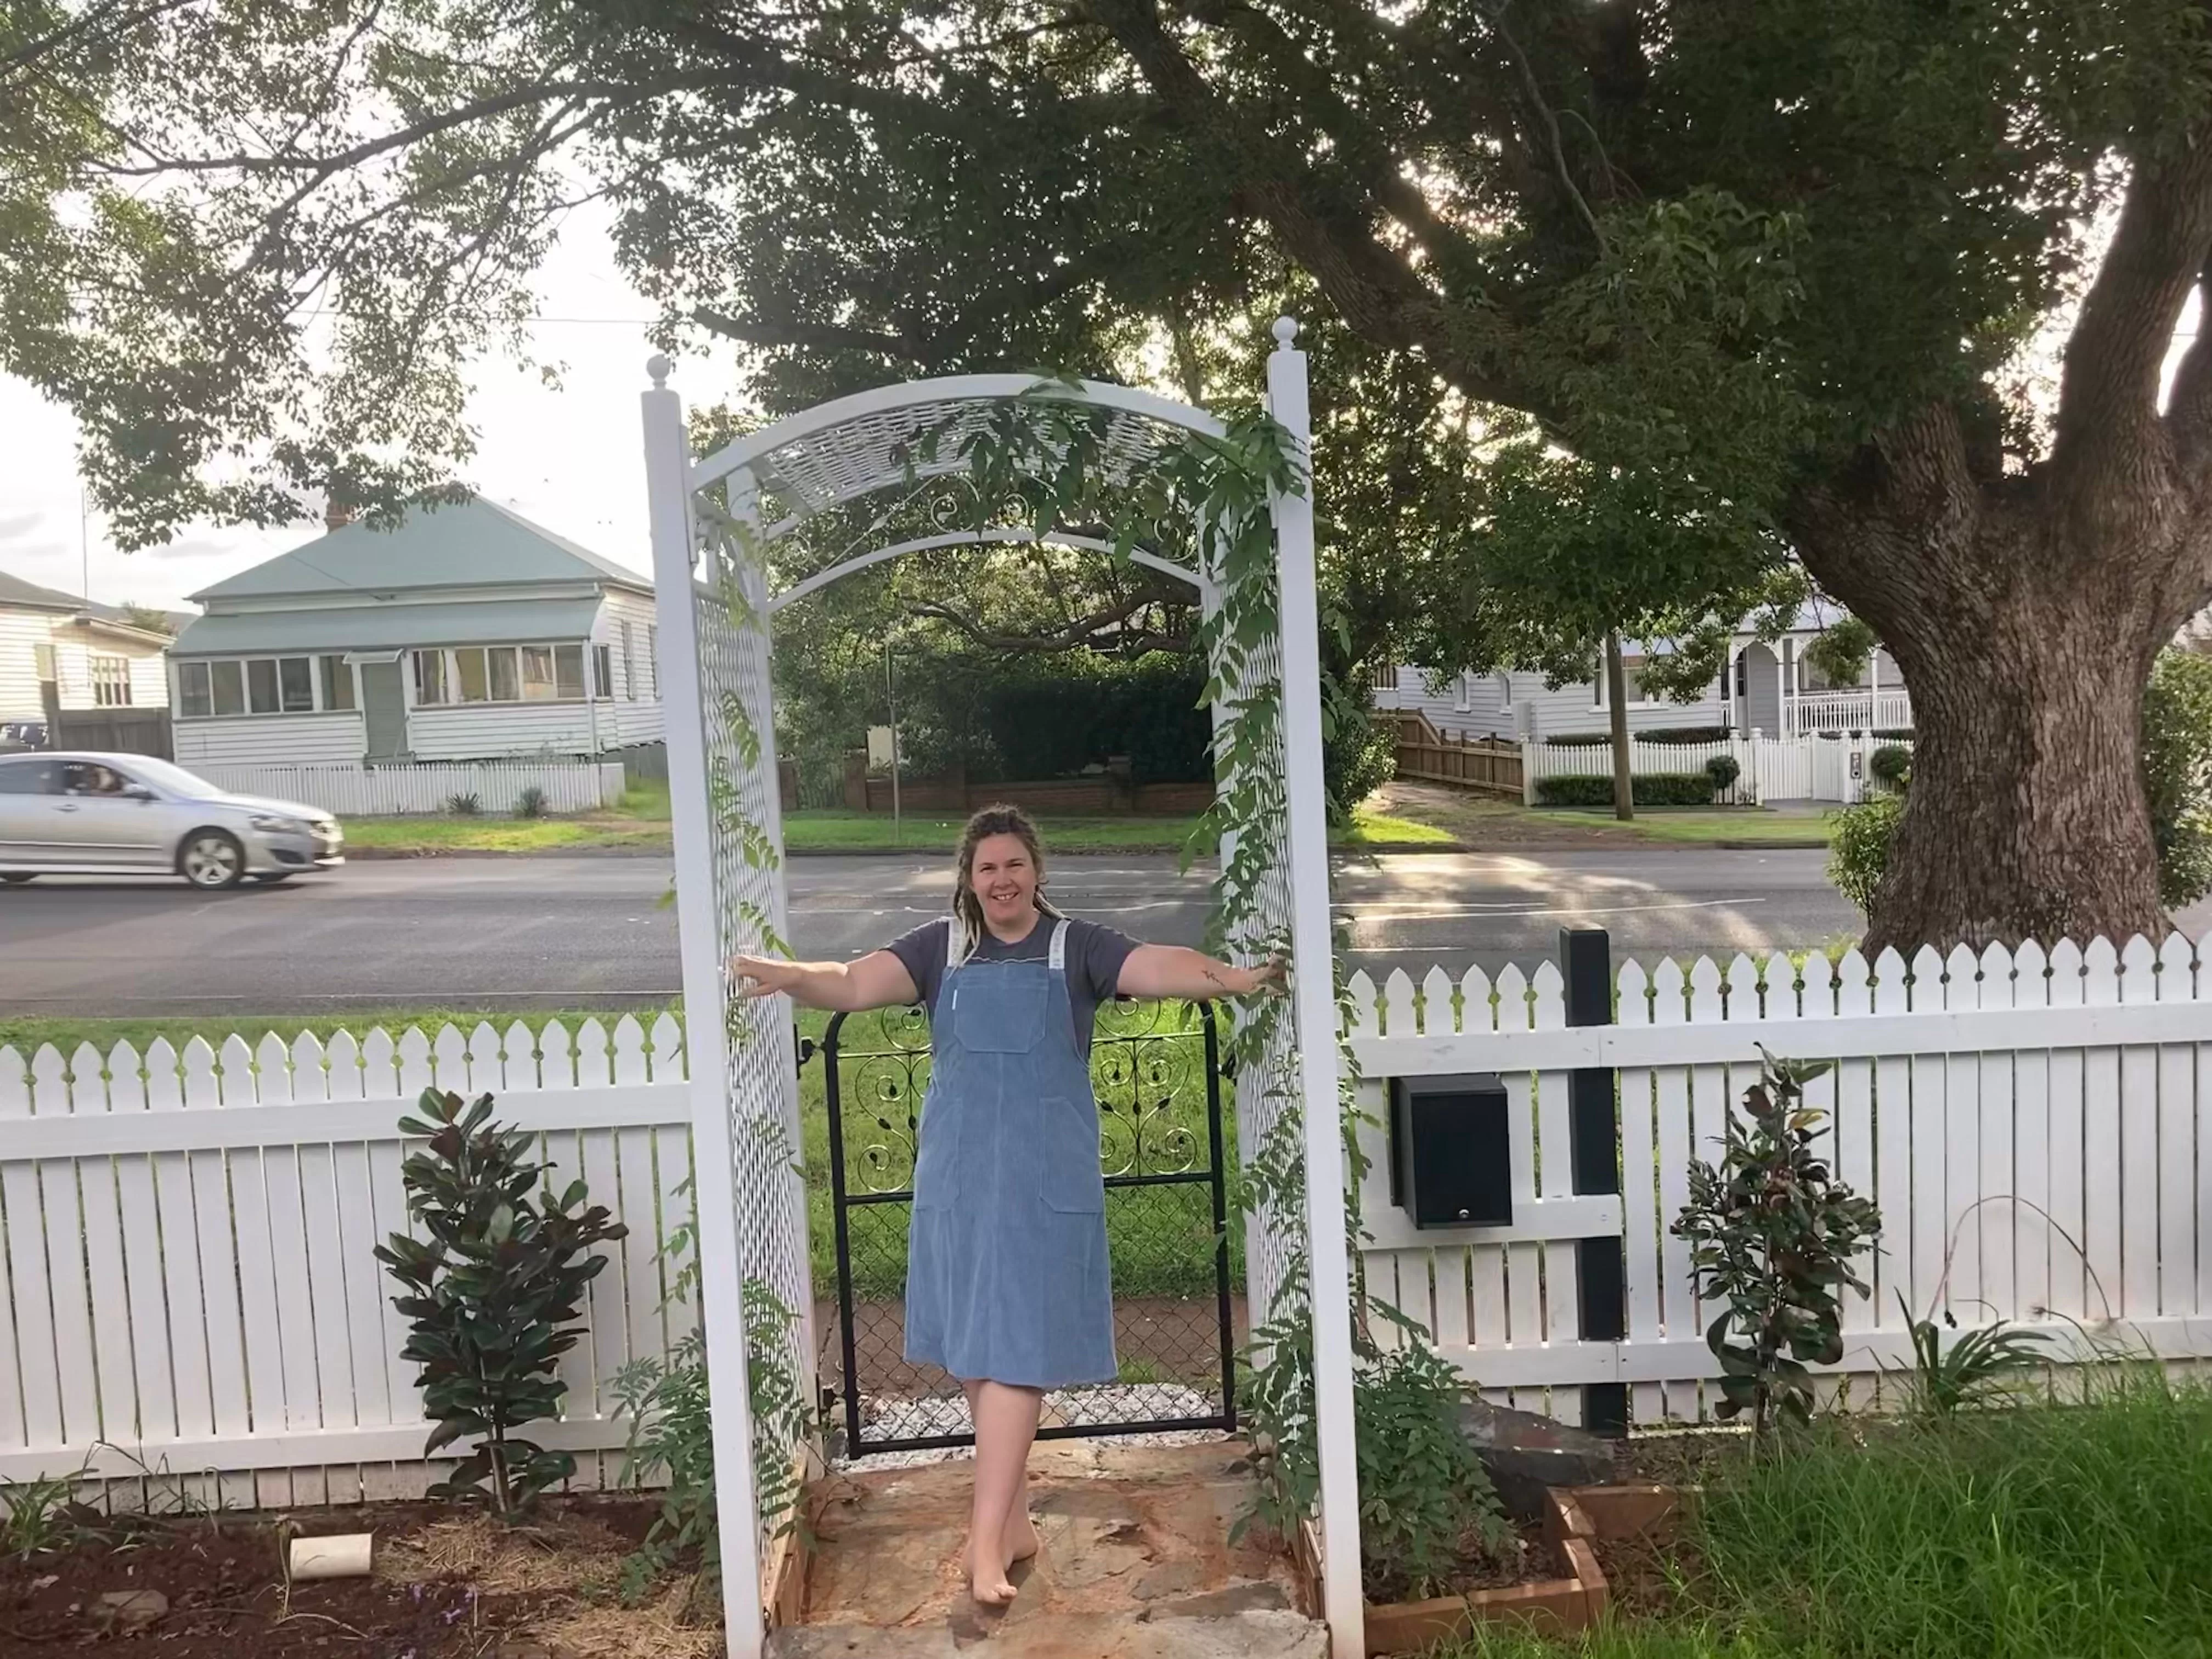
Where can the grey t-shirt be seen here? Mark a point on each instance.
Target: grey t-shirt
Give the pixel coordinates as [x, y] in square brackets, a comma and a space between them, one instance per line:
[1095, 956]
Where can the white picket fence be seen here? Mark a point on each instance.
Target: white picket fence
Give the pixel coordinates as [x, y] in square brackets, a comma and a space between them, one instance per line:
[190, 1288]
[1768, 768]
[379, 791]
[2033, 1127]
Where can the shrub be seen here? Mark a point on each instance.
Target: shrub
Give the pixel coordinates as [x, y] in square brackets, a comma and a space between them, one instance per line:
[531, 803]
[1771, 1234]
[1645, 789]
[491, 1294]
[1858, 847]
[1892, 764]
[2176, 741]
[465, 805]
[1654, 734]
[1723, 770]
[1359, 753]
[1973, 1370]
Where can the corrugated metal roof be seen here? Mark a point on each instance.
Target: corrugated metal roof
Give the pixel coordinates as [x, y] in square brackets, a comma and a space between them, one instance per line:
[473, 543]
[383, 627]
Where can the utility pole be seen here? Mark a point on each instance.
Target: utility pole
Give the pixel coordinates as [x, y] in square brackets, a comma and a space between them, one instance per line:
[891, 691]
[1624, 763]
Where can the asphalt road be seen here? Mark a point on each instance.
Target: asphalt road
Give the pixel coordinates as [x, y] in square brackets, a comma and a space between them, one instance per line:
[524, 933]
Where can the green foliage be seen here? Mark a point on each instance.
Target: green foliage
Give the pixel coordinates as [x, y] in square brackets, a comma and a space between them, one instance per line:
[465, 805]
[1033, 716]
[1858, 847]
[41, 1515]
[1974, 1371]
[490, 1292]
[1842, 650]
[1723, 770]
[1772, 1233]
[531, 803]
[1425, 1501]
[1646, 789]
[1891, 765]
[2177, 743]
[1359, 753]
[1650, 734]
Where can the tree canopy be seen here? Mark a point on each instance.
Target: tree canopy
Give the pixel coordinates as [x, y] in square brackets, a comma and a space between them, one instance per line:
[1638, 308]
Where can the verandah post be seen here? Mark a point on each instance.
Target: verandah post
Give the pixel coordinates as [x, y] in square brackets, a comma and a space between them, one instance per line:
[713, 1196]
[1314, 990]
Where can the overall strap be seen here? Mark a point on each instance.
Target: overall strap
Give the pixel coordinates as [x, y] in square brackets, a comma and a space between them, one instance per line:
[1059, 958]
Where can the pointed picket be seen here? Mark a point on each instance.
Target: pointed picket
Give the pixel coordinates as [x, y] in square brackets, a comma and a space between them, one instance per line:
[667, 1049]
[1437, 1015]
[2138, 970]
[1635, 995]
[341, 1070]
[449, 1060]
[1854, 985]
[63, 1246]
[486, 1067]
[97, 1182]
[519, 1058]
[1707, 1006]
[1359, 1016]
[1512, 998]
[1670, 993]
[416, 1072]
[357, 1169]
[1962, 971]
[2101, 974]
[1547, 1008]
[2177, 969]
[630, 1050]
[1398, 1016]
[1477, 1010]
[1925, 980]
[1777, 995]
[1740, 990]
[557, 1056]
[2031, 976]
[234, 1076]
[380, 1067]
[593, 1067]
[1640, 1222]
[30, 1301]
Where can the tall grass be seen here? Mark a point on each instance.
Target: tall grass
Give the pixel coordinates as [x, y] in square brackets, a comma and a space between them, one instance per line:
[2042, 1532]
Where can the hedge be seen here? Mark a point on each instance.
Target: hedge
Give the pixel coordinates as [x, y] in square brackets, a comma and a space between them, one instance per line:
[1654, 734]
[1646, 789]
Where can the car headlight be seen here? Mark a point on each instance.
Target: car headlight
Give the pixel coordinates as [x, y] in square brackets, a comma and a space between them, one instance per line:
[277, 825]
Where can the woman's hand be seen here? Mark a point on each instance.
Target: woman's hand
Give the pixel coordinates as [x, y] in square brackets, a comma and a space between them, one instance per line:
[767, 977]
[1272, 976]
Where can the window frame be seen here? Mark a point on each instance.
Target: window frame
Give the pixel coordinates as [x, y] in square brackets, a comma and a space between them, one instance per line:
[1631, 664]
[106, 673]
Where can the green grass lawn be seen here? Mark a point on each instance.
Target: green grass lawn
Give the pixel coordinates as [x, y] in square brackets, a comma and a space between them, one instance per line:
[2041, 1532]
[1706, 823]
[640, 823]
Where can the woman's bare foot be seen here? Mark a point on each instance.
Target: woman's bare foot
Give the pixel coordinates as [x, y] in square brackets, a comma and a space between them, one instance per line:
[990, 1589]
[1021, 1539]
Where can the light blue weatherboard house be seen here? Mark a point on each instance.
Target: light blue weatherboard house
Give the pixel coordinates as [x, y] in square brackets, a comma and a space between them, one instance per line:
[468, 633]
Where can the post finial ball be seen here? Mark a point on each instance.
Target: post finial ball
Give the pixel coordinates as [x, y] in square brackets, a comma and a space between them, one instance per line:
[1287, 330]
[657, 367]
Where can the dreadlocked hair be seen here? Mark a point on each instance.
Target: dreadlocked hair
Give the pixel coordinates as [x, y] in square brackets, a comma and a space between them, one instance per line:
[967, 909]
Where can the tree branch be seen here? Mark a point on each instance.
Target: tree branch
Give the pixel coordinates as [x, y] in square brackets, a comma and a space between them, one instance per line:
[2108, 391]
[2189, 415]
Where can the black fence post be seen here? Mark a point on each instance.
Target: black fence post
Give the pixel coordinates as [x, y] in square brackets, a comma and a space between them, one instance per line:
[1601, 1278]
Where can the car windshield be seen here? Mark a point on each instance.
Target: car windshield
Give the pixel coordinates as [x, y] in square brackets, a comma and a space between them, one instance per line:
[174, 779]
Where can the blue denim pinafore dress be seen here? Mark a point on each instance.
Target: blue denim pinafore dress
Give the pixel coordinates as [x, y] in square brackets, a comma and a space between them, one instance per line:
[1006, 1266]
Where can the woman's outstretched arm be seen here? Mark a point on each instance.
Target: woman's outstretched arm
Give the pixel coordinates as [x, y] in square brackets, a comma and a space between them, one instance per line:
[878, 980]
[1171, 970]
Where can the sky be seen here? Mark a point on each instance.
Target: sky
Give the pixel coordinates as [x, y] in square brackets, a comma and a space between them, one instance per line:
[567, 458]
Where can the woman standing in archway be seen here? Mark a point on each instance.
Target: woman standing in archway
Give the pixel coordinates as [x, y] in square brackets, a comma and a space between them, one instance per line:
[1007, 1286]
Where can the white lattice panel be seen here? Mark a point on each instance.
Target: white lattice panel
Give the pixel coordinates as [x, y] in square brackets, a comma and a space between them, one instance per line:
[750, 917]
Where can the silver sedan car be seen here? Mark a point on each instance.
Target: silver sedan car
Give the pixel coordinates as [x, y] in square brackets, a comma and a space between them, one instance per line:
[104, 815]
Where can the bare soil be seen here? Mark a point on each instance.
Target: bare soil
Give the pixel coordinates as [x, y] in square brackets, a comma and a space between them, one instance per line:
[1484, 823]
[447, 1585]
[1532, 1561]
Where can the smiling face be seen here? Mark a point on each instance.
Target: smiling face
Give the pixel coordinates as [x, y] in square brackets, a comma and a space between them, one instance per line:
[1004, 878]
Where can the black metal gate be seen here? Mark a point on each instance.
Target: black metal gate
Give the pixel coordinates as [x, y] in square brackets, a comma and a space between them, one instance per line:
[1156, 1070]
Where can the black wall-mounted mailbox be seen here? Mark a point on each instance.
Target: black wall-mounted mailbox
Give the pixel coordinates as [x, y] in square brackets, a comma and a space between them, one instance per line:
[1451, 1161]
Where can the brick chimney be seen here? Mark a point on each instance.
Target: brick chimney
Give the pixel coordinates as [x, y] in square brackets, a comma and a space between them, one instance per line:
[335, 517]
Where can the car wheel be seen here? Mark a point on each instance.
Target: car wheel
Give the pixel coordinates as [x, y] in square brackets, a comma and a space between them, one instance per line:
[212, 859]
[17, 878]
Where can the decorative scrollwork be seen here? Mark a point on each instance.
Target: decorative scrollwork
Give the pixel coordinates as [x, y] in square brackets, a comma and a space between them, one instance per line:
[1151, 1093]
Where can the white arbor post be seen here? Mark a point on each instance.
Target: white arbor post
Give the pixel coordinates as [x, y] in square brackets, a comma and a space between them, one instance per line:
[713, 1192]
[1328, 1260]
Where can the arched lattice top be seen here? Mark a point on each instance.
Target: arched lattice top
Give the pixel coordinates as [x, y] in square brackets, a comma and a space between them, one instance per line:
[843, 450]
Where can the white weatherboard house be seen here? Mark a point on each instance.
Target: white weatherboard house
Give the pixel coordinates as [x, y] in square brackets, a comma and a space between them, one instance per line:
[466, 634]
[92, 657]
[1768, 687]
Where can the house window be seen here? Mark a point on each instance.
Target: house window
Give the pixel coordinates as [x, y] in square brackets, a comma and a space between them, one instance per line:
[228, 679]
[337, 682]
[652, 660]
[568, 670]
[193, 702]
[471, 680]
[1383, 677]
[603, 671]
[1504, 683]
[261, 685]
[1632, 665]
[538, 673]
[630, 664]
[429, 678]
[1466, 698]
[506, 684]
[111, 682]
[295, 684]
[42, 658]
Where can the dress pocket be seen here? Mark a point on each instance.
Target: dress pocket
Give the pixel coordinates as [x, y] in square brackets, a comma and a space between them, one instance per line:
[1069, 1178]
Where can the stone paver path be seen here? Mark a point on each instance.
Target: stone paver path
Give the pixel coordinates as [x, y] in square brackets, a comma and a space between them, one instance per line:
[1136, 1563]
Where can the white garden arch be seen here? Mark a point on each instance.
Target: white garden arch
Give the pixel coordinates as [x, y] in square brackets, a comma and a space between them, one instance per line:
[712, 521]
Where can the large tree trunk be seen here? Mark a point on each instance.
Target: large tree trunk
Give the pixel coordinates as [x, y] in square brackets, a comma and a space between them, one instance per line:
[2027, 633]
